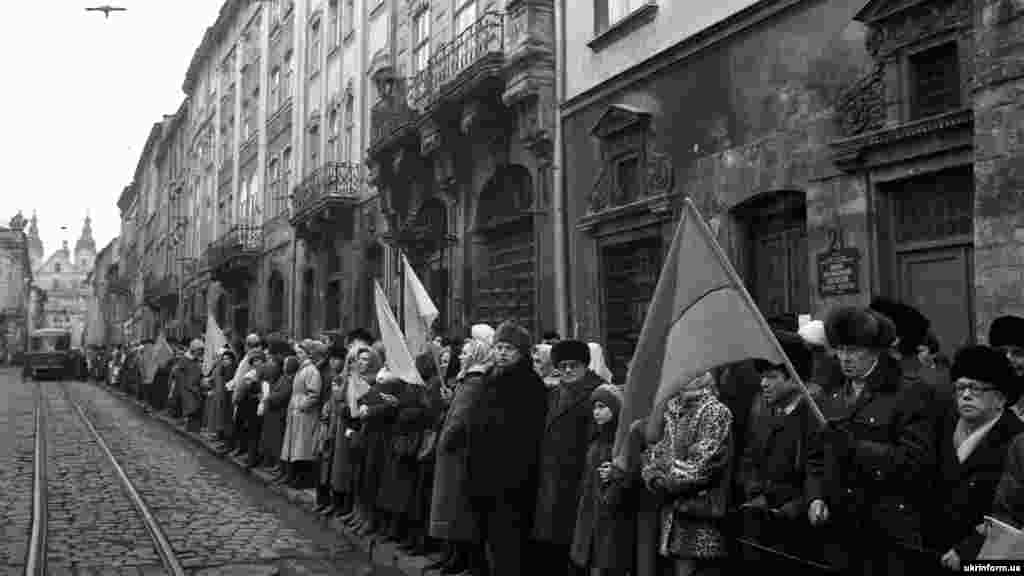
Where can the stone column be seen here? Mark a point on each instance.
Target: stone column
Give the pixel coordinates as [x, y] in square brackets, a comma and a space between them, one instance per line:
[998, 100]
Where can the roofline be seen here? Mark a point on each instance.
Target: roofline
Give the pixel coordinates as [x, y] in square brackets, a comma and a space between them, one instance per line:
[211, 37]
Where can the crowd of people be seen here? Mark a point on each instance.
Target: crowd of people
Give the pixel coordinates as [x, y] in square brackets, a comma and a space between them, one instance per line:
[869, 453]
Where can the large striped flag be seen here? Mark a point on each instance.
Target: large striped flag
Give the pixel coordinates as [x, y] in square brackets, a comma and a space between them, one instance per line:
[700, 317]
[419, 310]
[399, 359]
[213, 344]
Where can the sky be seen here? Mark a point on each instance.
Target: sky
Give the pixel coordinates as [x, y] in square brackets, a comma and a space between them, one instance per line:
[82, 93]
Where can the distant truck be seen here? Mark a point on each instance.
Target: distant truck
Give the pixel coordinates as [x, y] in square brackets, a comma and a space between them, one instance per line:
[49, 354]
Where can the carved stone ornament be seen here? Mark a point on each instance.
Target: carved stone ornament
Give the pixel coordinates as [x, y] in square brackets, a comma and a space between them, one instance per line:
[861, 107]
[904, 25]
[430, 138]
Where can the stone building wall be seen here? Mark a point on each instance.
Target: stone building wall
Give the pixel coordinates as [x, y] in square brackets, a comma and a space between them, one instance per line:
[998, 98]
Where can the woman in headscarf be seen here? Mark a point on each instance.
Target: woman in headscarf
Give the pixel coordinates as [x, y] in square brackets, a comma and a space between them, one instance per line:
[597, 363]
[363, 364]
[544, 366]
[377, 410]
[451, 518]
[483, 333]
[303, 415]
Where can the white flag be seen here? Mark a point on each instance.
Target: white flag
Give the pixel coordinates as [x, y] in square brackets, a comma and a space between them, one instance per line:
[420, 311]
[399, 359]
[214, 343]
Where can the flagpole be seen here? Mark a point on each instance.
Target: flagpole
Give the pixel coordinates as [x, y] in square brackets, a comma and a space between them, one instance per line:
[741, 287]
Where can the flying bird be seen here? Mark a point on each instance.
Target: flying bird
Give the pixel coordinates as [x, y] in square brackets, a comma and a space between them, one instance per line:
[106, 9]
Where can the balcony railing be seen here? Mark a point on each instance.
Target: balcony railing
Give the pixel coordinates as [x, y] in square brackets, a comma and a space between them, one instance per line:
[392, 114]
[332, 181]
[482, 39]
[242, 240]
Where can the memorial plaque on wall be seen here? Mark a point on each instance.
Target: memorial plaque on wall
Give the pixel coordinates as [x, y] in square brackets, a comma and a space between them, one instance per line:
[839, 272]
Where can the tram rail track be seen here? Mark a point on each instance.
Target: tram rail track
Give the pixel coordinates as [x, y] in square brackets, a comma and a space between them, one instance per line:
[36, 558]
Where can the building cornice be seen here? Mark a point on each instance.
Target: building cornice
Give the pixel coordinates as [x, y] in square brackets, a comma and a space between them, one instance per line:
[211, 38]
[717, 33]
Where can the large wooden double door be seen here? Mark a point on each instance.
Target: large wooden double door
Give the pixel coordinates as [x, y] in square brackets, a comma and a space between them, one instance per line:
[629, 275]
[506, 287]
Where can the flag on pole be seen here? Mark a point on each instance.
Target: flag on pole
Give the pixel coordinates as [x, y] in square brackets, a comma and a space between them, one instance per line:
[399, 359]
[213, 344]
[1002, 541]
[420, 311]
[700, 317]
[160, 353]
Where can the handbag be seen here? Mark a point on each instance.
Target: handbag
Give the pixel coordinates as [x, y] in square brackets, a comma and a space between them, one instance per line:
[427, 446]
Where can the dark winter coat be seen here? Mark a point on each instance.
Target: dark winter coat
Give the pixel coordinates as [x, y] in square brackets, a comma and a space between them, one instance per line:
[450, 515]
[869, 463]
[376, 432]
[506, 424]
[341, 458]
[568, 428]
[276, 417]
[188, 376]
[774, 464]
[433, 418]
[969, 487]
[592, 538]
[406, 433]
[1008, 503]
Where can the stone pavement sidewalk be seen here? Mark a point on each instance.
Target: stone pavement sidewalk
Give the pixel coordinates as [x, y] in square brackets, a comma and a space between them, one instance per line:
[383, 553]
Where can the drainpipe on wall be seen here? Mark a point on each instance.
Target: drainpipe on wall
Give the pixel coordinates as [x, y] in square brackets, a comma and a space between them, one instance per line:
[557, 189]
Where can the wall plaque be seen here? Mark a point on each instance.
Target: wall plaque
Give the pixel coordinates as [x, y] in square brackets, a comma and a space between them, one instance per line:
[839, 272]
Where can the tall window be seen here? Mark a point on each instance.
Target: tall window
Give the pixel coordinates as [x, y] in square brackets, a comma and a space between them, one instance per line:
[333, 131]
[286, 171]
[275, 88]
[332, 24]
[274, 187]
[609, 12]
[286, 80]
[935, 77]
[465, 15]
[314, 148]
[421, 40]
[246, 120]
[313, 66]
[349, 18]
[349, 127]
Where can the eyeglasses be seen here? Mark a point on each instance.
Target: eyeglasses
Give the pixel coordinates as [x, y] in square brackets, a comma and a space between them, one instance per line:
[1014, 351]
[974, 387]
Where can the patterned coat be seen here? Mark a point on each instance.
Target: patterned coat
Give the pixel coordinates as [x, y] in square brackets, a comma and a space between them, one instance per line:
[303, 415]
[693, 454]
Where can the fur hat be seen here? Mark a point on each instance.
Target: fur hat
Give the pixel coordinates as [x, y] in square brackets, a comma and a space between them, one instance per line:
[609, 395]
[855, 326]
[570, 350]
[911, 325]
[796, 350]
[1006, 331]
[510, 332]
[337, 350]
[988, 365]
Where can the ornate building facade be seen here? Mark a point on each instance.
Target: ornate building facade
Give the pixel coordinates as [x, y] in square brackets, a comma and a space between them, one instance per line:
[842, 151]
[15, 289]
[63, 276]
[460, 149]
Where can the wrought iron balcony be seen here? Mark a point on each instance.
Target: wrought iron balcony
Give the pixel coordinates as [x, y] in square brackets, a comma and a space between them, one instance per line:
[392, 116]
[457, 66]
[235, 251]
[334, 184]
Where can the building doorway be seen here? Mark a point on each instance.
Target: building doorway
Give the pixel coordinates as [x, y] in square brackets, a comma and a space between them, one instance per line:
[931, 239]
[774, 263]
[629, 274]
[275, 291]
[506, 287]
[308, 298]
[428, 254]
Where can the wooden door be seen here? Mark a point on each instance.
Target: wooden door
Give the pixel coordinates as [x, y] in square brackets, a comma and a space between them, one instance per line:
[777, 258]
[932, 229]
[507, 285]
[938, 283]
[629, 275]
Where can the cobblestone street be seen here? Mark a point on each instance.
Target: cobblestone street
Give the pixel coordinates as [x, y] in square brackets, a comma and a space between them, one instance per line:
[217, 519]
[16, 445]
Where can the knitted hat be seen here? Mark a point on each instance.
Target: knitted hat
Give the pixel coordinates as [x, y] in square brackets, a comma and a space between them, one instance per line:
[797, 352]
[911, 325]
[854, 326]
[609, 395]
[1006, 331]
[988, 365]
[565, 350]
[512, 333]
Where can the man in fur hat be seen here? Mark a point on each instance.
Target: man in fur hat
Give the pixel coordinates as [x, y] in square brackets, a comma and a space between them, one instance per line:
[867, 466]
[912, 329]
[774, 462]
[563, 452]
[1007, 335]
[506, 420]
[973, 447]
